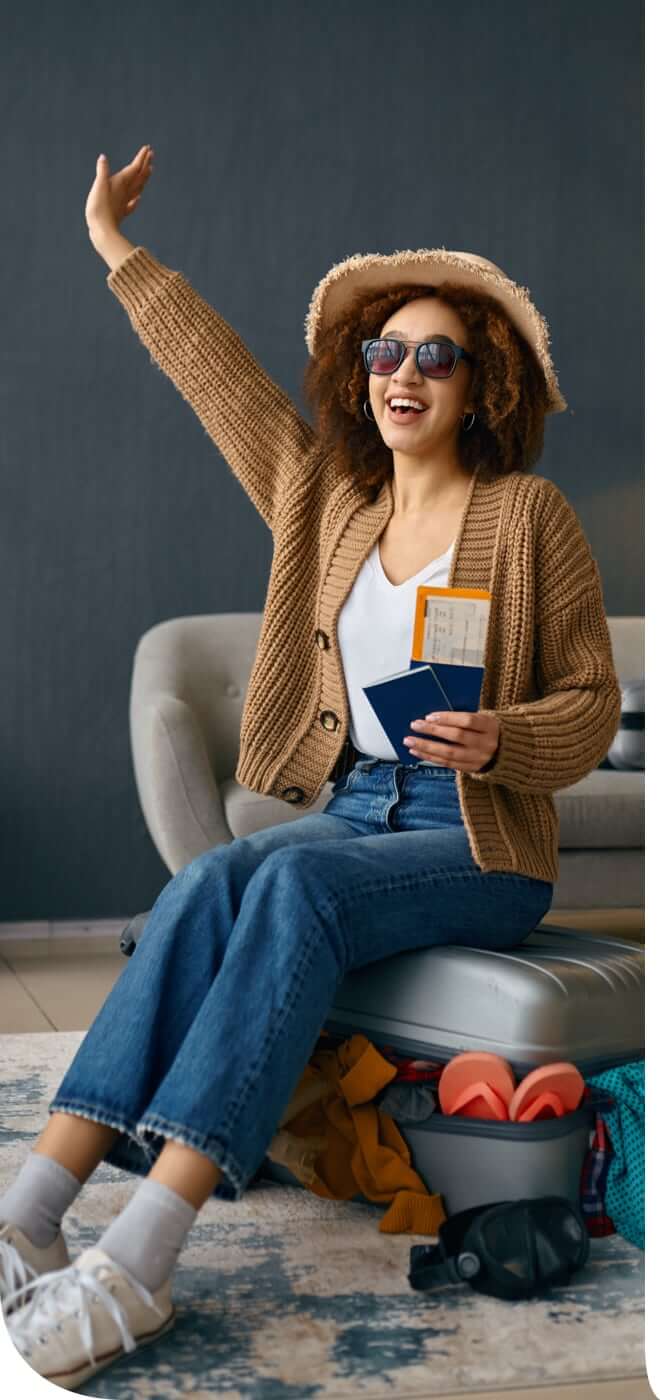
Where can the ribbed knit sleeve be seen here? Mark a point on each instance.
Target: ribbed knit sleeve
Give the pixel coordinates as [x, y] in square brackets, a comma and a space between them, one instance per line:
[551, 743]
[252, 422]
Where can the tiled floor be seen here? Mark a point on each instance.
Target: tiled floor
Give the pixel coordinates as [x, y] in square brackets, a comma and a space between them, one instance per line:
[55, 976]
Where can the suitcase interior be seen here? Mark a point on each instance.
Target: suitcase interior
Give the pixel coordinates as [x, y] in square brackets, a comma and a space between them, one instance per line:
[560, 995]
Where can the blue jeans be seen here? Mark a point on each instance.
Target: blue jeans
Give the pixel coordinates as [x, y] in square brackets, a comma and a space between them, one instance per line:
[208, 1029]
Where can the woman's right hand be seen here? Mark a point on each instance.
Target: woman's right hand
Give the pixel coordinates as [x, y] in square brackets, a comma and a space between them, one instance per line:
[113, 197]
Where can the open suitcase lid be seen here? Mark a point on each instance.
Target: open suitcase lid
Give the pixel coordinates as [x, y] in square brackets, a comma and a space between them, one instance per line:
[560, 995]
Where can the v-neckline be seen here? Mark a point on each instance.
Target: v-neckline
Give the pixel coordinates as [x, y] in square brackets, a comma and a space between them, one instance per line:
[420, 575]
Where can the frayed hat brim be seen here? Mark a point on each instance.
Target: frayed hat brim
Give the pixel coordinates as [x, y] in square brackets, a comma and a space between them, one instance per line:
[379, 271]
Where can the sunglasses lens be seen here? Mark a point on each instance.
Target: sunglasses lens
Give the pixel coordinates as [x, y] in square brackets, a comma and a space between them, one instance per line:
[383, 356]
[436, 360]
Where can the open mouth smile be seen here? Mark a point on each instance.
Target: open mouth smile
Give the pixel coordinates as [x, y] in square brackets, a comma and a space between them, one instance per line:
[404, 415]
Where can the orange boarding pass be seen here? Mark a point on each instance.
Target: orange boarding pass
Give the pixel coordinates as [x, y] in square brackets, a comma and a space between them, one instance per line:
[449, 633]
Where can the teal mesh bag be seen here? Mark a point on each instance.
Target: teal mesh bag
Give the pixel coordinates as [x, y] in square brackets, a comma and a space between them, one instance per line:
[624, 1190]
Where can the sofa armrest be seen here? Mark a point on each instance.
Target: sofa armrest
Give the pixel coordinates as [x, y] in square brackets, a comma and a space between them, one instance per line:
[176, 784]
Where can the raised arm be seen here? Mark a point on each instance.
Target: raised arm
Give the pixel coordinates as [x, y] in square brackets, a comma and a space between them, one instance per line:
[252, 422]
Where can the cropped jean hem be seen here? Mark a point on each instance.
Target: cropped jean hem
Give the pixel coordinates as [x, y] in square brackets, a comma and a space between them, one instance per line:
[153, 1126]
[128, 1131]
[138, 1146]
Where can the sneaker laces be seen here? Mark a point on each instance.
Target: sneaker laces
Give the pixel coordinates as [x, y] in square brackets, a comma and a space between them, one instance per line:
[15, 1272]
[73, 1291]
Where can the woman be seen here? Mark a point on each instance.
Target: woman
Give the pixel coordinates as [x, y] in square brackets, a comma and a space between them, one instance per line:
[186, 1070]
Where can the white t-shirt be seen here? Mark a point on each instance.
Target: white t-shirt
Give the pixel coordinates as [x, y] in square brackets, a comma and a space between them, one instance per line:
[374, 631]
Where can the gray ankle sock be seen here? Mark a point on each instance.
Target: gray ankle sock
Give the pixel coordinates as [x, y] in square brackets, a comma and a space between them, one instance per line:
[148, 1235]
[38, 1198]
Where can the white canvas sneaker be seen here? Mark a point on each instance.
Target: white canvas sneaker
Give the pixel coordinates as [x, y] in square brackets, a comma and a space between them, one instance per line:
[82, 1318]
[21, 1261]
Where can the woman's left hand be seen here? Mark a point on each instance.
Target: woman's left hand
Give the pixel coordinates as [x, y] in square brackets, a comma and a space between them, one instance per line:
[472, 738]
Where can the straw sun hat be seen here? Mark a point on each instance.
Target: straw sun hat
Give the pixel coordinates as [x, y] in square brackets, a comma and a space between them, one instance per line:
[431, 266]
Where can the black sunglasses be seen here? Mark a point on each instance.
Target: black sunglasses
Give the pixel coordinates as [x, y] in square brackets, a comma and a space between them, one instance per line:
[436, 359]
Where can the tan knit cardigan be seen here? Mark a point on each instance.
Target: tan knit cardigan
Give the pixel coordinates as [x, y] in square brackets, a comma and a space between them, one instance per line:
[549, 671]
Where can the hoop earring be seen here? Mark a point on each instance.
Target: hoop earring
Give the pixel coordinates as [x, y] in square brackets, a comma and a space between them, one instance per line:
[470, 425]
[365, 408]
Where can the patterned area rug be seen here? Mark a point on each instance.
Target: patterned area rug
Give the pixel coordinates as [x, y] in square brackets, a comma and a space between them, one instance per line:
[283, 1295]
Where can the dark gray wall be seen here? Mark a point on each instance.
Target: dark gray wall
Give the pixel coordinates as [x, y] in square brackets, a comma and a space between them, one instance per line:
[516, 133]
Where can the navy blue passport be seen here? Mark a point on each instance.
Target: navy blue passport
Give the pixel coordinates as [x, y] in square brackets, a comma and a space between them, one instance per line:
[408, 695]
[461, 684]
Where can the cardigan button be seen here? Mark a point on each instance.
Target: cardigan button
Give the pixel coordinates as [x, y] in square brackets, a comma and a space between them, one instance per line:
[322, 640]
[293, 794]
[329, 719]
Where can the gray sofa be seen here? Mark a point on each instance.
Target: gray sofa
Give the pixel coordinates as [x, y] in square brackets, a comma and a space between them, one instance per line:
[189, 681]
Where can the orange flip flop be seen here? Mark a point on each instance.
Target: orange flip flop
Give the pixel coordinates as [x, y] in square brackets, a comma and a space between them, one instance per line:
[477, 1084]
[480, 1101]
[547, 1092]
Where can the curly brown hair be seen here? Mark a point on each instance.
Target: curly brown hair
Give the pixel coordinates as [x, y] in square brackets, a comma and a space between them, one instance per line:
[509, 391]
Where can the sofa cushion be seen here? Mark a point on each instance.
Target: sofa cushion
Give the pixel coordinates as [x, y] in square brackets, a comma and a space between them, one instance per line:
[604, 810]
[246, 811]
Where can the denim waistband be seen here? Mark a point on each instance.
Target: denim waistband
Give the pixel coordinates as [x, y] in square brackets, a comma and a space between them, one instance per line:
[369, 760]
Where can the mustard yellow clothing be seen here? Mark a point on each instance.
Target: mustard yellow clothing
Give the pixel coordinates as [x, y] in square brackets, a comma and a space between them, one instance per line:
[339, 1143]
[549, 671]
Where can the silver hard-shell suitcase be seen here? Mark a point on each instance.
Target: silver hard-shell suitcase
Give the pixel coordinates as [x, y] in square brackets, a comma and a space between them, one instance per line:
[560, 995]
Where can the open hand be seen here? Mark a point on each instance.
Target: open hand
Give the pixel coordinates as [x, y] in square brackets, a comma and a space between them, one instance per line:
[470, 739]
[113, 197]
